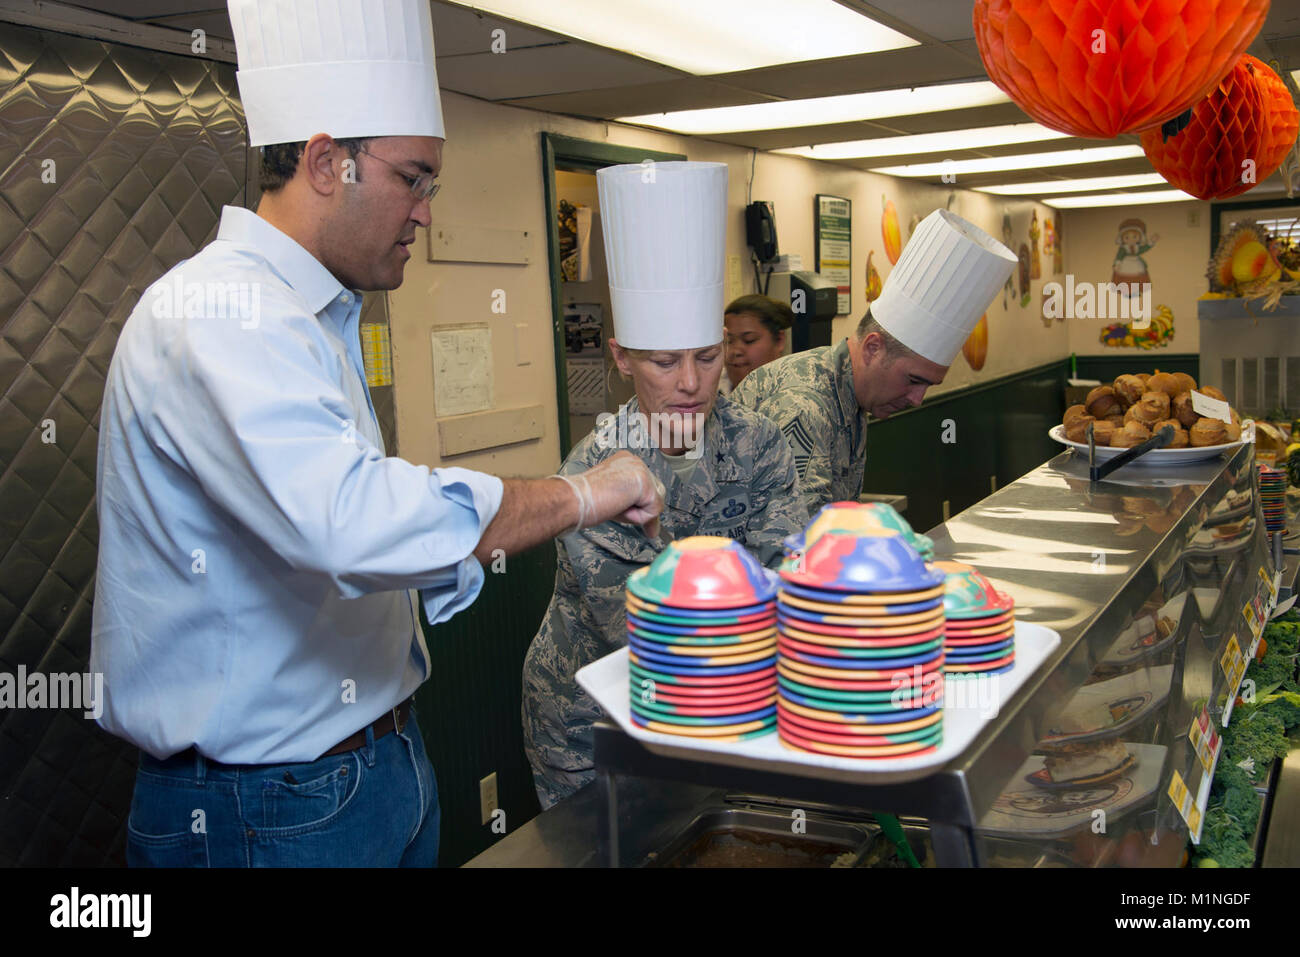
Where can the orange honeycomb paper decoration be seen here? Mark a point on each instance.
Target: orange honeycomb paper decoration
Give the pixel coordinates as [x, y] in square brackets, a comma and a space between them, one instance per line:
[1154, 59]
[1248, 118]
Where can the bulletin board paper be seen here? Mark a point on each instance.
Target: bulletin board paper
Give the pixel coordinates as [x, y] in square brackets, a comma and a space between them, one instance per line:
[462, 369]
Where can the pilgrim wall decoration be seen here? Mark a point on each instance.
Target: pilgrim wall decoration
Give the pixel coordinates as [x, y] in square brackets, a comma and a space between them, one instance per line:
[1024, 275]
[1058, 256]
[1129, 266]
[1237, 136]
[1009, 287]
[1035, 263]
[1096, 68]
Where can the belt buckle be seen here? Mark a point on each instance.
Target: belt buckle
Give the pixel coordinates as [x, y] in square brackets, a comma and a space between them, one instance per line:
[398, 722]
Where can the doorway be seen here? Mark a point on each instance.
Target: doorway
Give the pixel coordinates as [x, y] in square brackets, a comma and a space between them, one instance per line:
[585, 383]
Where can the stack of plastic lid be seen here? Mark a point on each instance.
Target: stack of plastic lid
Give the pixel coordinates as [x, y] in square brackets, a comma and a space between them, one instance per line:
[980, 634]
[857, 517]
[1272, 497]
[702, 641]
[860, 619]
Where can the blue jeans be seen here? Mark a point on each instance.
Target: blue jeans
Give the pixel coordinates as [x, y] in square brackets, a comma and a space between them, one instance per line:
[376, 806]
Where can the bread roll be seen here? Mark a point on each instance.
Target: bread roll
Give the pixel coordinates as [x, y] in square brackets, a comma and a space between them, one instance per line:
[1232, 431]
[1077, 430]
[1212, 392]
[1144, 376]
[1185, 382]
[1072, 413]
[1182, 410]
[1103, 431]
[1133, 433]
[1163, 382]
[1101, 402]
[1180, 439]
[1115, 420]
[1154, 406]
[1207, 432]
[1129, 389]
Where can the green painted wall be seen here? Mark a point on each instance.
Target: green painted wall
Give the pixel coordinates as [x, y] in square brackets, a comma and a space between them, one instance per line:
[469, 708]
[950, 447]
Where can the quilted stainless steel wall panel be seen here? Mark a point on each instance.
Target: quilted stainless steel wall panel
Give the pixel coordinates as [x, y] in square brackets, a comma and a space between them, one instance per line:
[114, 165]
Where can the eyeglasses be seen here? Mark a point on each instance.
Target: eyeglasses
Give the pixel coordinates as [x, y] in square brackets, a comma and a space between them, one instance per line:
[423, 187]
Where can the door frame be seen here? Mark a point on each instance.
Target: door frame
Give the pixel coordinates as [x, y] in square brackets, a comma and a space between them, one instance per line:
[575, 155]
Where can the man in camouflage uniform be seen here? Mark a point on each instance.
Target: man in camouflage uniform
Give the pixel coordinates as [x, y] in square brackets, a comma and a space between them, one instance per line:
[820, 399]
[743, 486]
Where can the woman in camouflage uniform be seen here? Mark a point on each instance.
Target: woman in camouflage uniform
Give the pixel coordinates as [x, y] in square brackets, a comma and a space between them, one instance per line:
[738, 479]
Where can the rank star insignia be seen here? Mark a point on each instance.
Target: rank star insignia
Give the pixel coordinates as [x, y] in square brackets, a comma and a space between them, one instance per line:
[720, 456]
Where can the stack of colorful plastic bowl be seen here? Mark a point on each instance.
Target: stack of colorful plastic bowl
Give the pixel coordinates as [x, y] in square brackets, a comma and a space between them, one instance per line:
[858, 517]
[1272, 497]
[701, 624]
[860, 616]
[980, 634]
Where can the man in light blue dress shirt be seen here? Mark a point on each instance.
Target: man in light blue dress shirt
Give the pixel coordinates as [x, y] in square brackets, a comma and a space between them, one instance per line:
[255, 611]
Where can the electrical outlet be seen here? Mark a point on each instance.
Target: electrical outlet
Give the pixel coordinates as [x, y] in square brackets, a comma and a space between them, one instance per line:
[1193, 217]
[946, 514]
[487, 796]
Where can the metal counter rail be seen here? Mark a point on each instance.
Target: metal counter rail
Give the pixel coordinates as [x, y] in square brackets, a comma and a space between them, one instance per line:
[1078, 558]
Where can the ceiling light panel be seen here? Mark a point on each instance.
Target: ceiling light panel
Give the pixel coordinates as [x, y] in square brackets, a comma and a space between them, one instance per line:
[1119, 199]
[706, 38]
[949, 140]
[819, 111]
[1074, 185]
[997, 164]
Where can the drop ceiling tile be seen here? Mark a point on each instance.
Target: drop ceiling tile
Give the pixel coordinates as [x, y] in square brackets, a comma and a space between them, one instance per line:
[917, 66]
[939, 19]
[543, 71]
[688, 93]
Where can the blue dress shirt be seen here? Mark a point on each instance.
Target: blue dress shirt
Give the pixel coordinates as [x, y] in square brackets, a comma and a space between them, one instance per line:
[256, 545]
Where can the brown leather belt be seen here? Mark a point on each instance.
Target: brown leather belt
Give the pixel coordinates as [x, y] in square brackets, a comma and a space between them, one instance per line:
[395, 718]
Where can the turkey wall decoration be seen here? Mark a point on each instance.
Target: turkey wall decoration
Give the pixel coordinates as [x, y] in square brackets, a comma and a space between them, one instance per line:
[1099, 68]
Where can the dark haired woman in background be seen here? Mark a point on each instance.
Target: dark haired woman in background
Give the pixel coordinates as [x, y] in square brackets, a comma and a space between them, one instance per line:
[756, 328]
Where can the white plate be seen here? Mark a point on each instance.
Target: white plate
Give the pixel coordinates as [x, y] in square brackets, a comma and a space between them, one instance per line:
[1156, 457]
[965, 713]
[1140, 691]
[1026, 810]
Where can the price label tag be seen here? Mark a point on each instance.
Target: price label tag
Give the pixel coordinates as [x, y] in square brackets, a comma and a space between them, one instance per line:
[1269, 583]
[1205, 740]
[1181, 795]
[1210, 408]
[1248, 612]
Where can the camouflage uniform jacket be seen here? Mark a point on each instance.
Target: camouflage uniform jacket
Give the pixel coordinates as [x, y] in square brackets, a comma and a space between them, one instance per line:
[744, 487]
[810, 397]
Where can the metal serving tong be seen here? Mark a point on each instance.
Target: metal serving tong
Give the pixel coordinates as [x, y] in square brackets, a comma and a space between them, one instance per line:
[1098, 472]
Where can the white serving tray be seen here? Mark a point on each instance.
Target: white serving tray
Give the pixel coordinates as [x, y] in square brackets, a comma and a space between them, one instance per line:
[1156, 457]
[964, 714]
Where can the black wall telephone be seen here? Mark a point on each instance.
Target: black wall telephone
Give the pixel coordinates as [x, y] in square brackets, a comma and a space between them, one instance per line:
[760, 230]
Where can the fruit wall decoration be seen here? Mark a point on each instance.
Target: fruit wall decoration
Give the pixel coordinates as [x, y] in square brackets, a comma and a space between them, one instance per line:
[873, 279]
[976, 347]
[1236, 136]
[1024, 275]
[1099, 68]
[1035, 261]
[889, 229]
[1156, 334]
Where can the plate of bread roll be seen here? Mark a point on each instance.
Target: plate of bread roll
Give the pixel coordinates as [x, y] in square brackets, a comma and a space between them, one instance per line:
[1135, 407]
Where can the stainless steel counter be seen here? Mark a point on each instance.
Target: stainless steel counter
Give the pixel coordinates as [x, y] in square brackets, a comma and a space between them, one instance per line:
[1164, 557]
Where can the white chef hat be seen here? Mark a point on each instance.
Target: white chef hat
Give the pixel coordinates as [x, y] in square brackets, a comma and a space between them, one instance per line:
[948, 274]
[348, 68]
[665, 228]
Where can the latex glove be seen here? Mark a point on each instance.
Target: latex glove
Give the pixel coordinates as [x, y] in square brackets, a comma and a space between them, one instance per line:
[620, 488]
